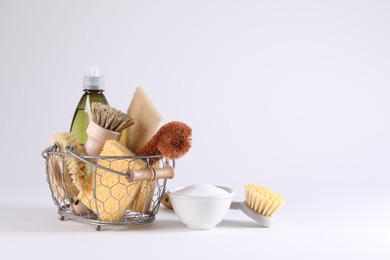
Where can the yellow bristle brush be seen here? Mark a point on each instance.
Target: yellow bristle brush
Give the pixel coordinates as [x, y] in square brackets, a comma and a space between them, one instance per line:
[260, 203]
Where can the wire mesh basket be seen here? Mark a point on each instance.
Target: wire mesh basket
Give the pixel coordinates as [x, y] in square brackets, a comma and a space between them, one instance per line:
[106, 190]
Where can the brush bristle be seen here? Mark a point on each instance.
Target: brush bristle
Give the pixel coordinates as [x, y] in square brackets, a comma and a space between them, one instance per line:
[172, 140]
[262, 199]
[175, 140]
[109, 117]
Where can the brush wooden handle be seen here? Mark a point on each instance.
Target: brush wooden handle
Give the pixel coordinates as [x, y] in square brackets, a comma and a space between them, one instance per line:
[150, 174]
[97, 136]
[79, 208]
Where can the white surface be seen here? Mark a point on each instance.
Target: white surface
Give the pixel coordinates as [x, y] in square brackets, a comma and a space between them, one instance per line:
[321, 233]
[290, 94]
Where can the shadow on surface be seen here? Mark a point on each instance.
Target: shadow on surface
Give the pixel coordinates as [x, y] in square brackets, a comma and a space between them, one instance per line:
[239, 224]
[46, 220]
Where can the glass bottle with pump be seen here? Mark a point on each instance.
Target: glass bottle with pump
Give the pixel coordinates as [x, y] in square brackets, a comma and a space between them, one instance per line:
[93, 87]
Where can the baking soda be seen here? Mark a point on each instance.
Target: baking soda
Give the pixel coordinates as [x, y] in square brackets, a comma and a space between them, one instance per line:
[201, 190]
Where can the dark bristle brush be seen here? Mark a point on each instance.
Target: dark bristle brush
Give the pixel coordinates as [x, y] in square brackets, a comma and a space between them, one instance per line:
[172, 141]
[107, 124]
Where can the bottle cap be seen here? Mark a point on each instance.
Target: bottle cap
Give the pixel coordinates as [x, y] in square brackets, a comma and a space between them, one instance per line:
[93, 81]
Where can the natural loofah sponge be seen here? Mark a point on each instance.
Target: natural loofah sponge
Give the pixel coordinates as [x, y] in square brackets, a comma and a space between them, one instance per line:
[146, 117]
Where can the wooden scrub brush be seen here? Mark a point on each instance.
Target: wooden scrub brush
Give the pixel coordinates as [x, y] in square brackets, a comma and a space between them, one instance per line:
[172, 140]
[260, 203]
[107, 124]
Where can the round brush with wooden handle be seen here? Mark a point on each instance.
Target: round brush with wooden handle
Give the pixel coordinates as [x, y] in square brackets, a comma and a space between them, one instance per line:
[172, 140]
[107, 124]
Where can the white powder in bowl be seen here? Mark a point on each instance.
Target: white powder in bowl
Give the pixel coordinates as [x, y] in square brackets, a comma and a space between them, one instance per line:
[201, 190]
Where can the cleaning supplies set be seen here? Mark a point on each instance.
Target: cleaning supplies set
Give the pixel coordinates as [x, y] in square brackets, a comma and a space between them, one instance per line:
[112, 168]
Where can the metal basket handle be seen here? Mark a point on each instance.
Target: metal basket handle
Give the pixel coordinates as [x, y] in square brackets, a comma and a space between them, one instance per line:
[147, 174]
[49, 149]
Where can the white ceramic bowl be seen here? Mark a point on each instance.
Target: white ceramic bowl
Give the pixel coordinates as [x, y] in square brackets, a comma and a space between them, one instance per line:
[199, 212]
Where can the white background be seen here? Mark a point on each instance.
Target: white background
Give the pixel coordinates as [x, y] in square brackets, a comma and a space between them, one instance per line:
[290, 94]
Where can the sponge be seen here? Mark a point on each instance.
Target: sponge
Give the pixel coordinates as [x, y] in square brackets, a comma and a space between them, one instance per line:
[114, 193]
[144, 197]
